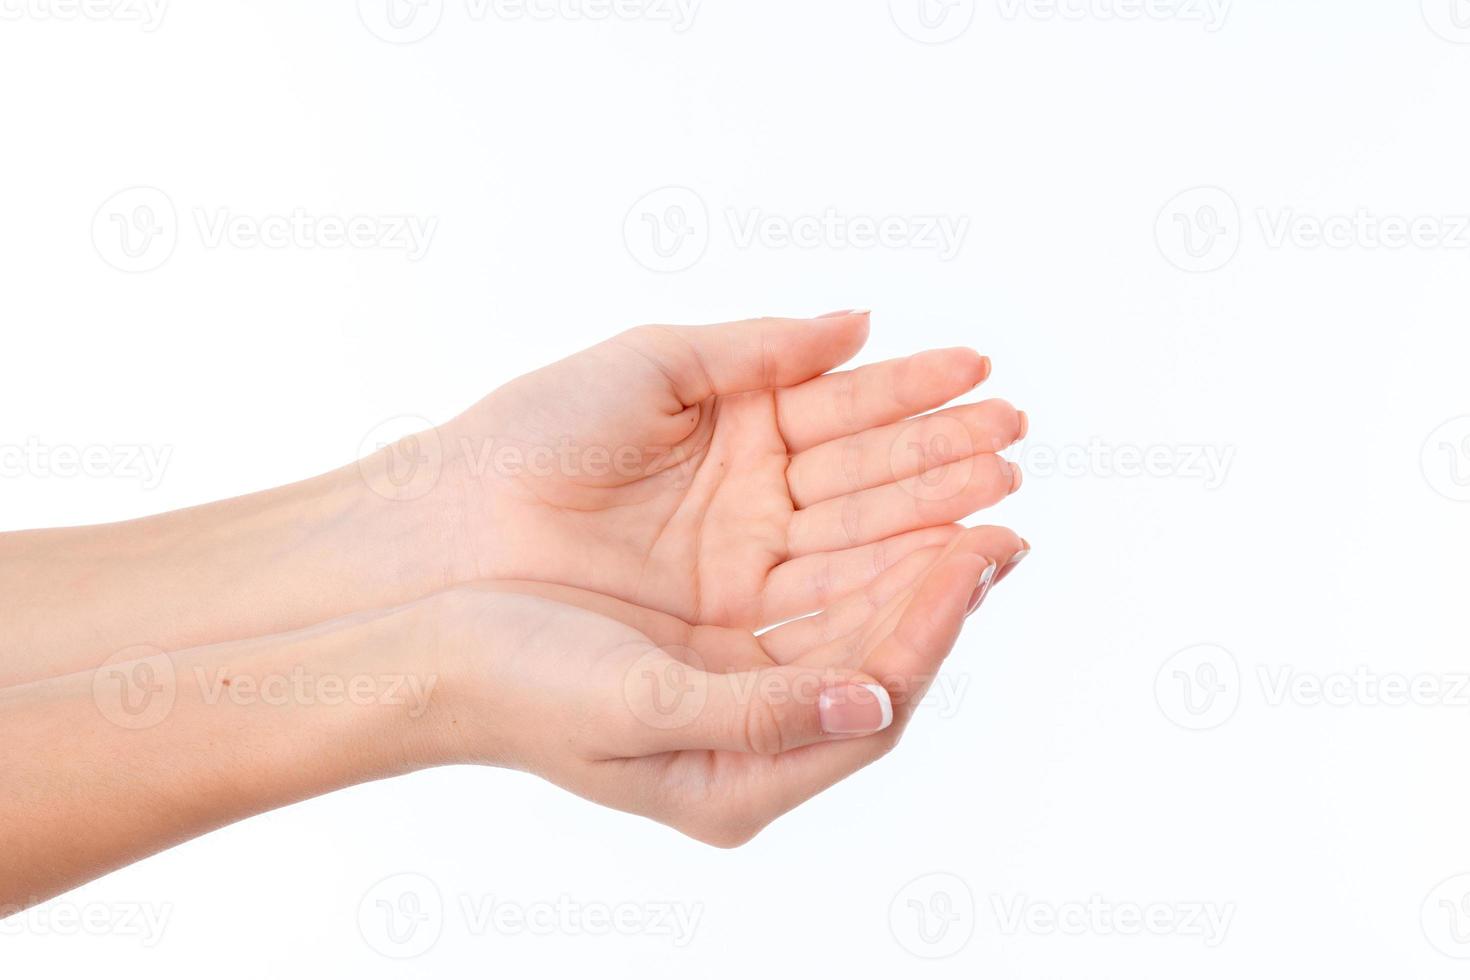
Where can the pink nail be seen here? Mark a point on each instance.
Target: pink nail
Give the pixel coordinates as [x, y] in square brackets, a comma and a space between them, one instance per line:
[855, 709]
[833, 316]
[987, 577]
[1015, 560]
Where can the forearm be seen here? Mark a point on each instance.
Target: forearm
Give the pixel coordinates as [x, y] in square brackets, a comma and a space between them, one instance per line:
[254, 565]
[100, 768]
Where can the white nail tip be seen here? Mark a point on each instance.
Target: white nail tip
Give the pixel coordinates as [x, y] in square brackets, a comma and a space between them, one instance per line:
[881, 693]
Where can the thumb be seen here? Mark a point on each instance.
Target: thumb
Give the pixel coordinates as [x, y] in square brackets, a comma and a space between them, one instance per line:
[749, 355]
[776, 709]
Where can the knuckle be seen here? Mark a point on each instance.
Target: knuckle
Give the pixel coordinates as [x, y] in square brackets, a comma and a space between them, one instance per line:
[725, 829]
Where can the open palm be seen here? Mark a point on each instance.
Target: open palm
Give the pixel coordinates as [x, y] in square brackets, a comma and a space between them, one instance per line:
[720, 475]
[711, 729]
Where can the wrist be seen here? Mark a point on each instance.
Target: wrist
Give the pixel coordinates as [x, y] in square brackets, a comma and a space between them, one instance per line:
[419, 497]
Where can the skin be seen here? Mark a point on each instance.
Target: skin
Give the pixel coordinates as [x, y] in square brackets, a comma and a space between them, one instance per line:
[594, 624]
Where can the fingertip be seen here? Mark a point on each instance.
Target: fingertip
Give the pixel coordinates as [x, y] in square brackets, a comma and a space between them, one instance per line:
[847, 332]
[949, 372]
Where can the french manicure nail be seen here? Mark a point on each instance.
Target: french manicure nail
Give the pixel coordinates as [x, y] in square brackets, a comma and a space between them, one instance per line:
[833, 316]
[855, 709]
[1015, 560]
[981, 587]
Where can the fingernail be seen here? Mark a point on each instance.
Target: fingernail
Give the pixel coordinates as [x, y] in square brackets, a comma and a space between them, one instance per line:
[1015, 560]
[1015, 478]
[1025, 426]
[855, 709]
[982, 587]
[833, 316]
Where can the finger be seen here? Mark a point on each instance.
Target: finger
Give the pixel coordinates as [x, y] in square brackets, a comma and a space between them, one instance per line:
[915, 650]
[938, 496]
[747, 355]
[767, 712]
[851, 401]
[720, 649]
[842, 621]
[852, 633]
[796, 587]
[894, 452]
[1014, 560]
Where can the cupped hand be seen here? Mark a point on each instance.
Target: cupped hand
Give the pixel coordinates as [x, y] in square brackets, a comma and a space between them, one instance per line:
[711, 730]
[719, 474]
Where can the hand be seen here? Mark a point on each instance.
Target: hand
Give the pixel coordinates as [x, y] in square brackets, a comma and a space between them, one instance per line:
[713, 473]
[711, 730]
[718, 475]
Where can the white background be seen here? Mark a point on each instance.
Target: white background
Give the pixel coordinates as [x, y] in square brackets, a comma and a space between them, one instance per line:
[1065, 766]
